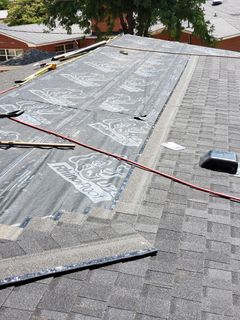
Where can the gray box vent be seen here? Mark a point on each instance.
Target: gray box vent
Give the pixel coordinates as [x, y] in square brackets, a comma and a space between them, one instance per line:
[222, 161]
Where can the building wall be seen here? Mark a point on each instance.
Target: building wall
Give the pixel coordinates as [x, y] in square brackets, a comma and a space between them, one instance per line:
[230, 44]
[79, 44]
[86, 42]
[10, 43]
[103, 26]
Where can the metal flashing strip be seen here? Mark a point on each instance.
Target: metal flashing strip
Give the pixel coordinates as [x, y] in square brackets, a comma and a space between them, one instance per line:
[47, 263]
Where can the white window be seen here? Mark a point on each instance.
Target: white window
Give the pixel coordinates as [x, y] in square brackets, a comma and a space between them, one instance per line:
[69, 47]
[63, 48]
[59, 49]
[6, 54]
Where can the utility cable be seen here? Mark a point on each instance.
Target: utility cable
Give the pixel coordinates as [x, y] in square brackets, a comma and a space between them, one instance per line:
[8, 89]
[130, 162]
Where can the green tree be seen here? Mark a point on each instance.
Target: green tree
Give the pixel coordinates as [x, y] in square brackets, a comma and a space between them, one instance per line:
[26, 12]
[136, 16]
[4, 4]
[177, 14]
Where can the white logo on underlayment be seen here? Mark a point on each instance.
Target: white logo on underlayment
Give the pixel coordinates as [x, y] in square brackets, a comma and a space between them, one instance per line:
[85, 79]
[104, 67]
[91, 174]
[126, 132]
[34, 112]
[147, 71]
[115, 103]
[59, 96]
[135, 85]
[9, 135]
[157, 61]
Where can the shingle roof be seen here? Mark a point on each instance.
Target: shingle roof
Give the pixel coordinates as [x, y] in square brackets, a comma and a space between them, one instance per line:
[223, 29]
[110, 121]
[195, 274]
[38, 34]
[9, 74]
[229, 11]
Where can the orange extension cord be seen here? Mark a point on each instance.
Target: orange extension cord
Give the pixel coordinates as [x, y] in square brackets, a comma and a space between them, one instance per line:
[130, 162]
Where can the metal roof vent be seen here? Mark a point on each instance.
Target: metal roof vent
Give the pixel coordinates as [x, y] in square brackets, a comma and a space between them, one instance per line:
[222, 161]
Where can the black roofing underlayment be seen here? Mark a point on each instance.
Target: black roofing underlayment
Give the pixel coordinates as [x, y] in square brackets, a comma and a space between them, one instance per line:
[94, 100]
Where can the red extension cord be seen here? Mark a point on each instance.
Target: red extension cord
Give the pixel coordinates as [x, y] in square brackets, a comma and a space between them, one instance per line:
[7, 90]
[136, 164]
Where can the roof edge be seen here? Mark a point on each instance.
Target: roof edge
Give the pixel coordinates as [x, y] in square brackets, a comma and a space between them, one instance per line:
[32, 44]
[15, 38]
[55, 42]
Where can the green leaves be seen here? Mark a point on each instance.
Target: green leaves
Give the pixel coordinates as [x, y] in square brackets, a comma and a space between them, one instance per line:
[26, 12]
[4, 4]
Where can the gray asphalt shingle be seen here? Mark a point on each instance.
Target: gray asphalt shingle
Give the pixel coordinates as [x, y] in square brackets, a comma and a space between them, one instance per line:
[60, 295]
[14, 314]
[26, 297]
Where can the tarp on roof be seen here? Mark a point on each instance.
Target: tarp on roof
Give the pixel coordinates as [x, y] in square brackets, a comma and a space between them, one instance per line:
[94, 100]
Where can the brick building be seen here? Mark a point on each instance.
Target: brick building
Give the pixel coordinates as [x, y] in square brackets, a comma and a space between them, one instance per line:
[17, 39]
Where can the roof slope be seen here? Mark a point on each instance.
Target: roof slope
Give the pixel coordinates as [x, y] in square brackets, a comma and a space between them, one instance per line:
[195, 275]
[229, 12]
[9, 74]
[223, 29]
[224, 17]
[95, 100]
[39, 34]
[105, 99]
